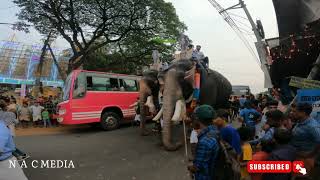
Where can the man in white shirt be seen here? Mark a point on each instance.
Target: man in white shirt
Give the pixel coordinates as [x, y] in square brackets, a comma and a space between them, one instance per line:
[197, 54]
[36, 110]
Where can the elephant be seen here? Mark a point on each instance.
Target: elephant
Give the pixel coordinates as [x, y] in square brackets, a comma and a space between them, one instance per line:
[148, 101]
[178, 80]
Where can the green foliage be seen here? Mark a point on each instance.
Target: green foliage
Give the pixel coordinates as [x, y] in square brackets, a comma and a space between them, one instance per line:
[127, 26]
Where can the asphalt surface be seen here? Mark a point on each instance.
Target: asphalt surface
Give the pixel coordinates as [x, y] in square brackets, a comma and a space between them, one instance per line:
[116, 155]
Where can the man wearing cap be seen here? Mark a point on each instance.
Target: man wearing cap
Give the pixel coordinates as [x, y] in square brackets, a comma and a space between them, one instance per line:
[207, 148]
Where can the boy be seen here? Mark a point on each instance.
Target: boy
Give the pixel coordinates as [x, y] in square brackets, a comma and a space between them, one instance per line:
[250, 117]
[245, 134]
[262, 155]
[274, 119]
[283, 152]
[46, 118]
[207, 148]
[24, 115]
[227, 132]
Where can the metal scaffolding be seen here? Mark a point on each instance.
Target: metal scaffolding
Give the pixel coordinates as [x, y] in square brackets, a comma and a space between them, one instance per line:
[19, 61]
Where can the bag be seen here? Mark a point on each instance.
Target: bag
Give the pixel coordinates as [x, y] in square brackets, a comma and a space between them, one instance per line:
[227, 166]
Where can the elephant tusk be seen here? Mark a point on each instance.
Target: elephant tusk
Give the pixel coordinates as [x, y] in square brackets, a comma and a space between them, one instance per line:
[190, 98]
[158, 116]
[178, 110]
[150, 104]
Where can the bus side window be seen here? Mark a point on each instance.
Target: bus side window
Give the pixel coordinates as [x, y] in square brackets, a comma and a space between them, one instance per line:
[129, 85]
[89, 83]
[114, 84]
[79, 90]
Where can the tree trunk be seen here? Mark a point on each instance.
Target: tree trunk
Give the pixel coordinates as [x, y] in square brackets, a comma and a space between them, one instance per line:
[62, 74]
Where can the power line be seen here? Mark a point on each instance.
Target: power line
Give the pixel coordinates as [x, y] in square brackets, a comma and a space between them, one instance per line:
[237, 15]
[242, 23]
[234, 26]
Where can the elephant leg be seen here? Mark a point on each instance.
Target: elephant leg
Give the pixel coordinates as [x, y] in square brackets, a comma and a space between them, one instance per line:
[173, 144]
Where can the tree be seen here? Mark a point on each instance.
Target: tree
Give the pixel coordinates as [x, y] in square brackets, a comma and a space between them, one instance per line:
[130, 55]
[88, 25]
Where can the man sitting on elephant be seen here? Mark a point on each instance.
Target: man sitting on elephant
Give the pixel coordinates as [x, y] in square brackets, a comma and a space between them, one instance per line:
[207, 148]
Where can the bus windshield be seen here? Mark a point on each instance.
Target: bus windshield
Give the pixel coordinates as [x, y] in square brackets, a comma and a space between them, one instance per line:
[67, 87]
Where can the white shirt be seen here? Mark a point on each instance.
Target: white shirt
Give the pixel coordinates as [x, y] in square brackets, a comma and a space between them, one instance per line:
[194, 137]
[197, 54]
[36, 112]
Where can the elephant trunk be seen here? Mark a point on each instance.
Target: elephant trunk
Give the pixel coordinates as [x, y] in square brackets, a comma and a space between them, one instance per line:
[144, 94]
[172, 93]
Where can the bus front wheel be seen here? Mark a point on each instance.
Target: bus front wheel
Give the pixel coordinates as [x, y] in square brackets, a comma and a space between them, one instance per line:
[110, 121]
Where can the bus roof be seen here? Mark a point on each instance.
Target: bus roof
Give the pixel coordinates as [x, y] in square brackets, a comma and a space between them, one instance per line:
[98, 72]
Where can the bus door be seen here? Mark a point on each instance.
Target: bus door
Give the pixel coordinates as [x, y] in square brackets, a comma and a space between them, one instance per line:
[80, 108]
[128, 95]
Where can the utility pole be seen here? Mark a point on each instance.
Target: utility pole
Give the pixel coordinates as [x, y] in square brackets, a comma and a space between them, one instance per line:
[261, 45]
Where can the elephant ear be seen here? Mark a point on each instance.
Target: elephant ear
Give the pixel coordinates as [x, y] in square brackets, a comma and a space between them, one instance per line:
[189, 75]
[186, 85]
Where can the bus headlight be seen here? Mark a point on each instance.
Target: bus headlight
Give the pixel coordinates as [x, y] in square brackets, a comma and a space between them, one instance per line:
[60, 119]
[62, 111]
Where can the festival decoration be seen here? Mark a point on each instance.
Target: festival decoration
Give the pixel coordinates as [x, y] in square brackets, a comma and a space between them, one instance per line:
[305, 43]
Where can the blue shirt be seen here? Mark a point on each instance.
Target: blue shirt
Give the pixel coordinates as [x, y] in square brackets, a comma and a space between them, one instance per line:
[306, 135]
[242, 101]
[6, 142]
[231, 136]
[249, 116]
[267, 137]
[315, 115]
[206, 153]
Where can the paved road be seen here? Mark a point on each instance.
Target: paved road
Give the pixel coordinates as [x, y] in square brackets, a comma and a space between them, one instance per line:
[117, 155]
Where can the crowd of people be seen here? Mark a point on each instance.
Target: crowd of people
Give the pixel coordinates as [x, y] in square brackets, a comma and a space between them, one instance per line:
[32, 112]
[264, 133]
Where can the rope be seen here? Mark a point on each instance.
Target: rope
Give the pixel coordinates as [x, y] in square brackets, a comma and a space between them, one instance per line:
[185, 140]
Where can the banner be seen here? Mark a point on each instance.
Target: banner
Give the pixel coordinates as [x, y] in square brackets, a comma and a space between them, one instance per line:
[304, 83]
[311, 96]
[308, 95]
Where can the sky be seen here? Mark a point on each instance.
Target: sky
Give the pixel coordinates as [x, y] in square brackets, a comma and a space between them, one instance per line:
[227, 53]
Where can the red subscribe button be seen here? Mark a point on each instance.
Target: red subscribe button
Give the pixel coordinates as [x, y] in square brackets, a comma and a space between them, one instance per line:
[269, 167]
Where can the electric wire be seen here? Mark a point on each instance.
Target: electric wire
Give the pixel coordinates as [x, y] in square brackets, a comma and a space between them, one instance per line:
[235, 28]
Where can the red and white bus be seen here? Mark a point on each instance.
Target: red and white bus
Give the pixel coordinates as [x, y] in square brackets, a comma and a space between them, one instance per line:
[97, 97]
